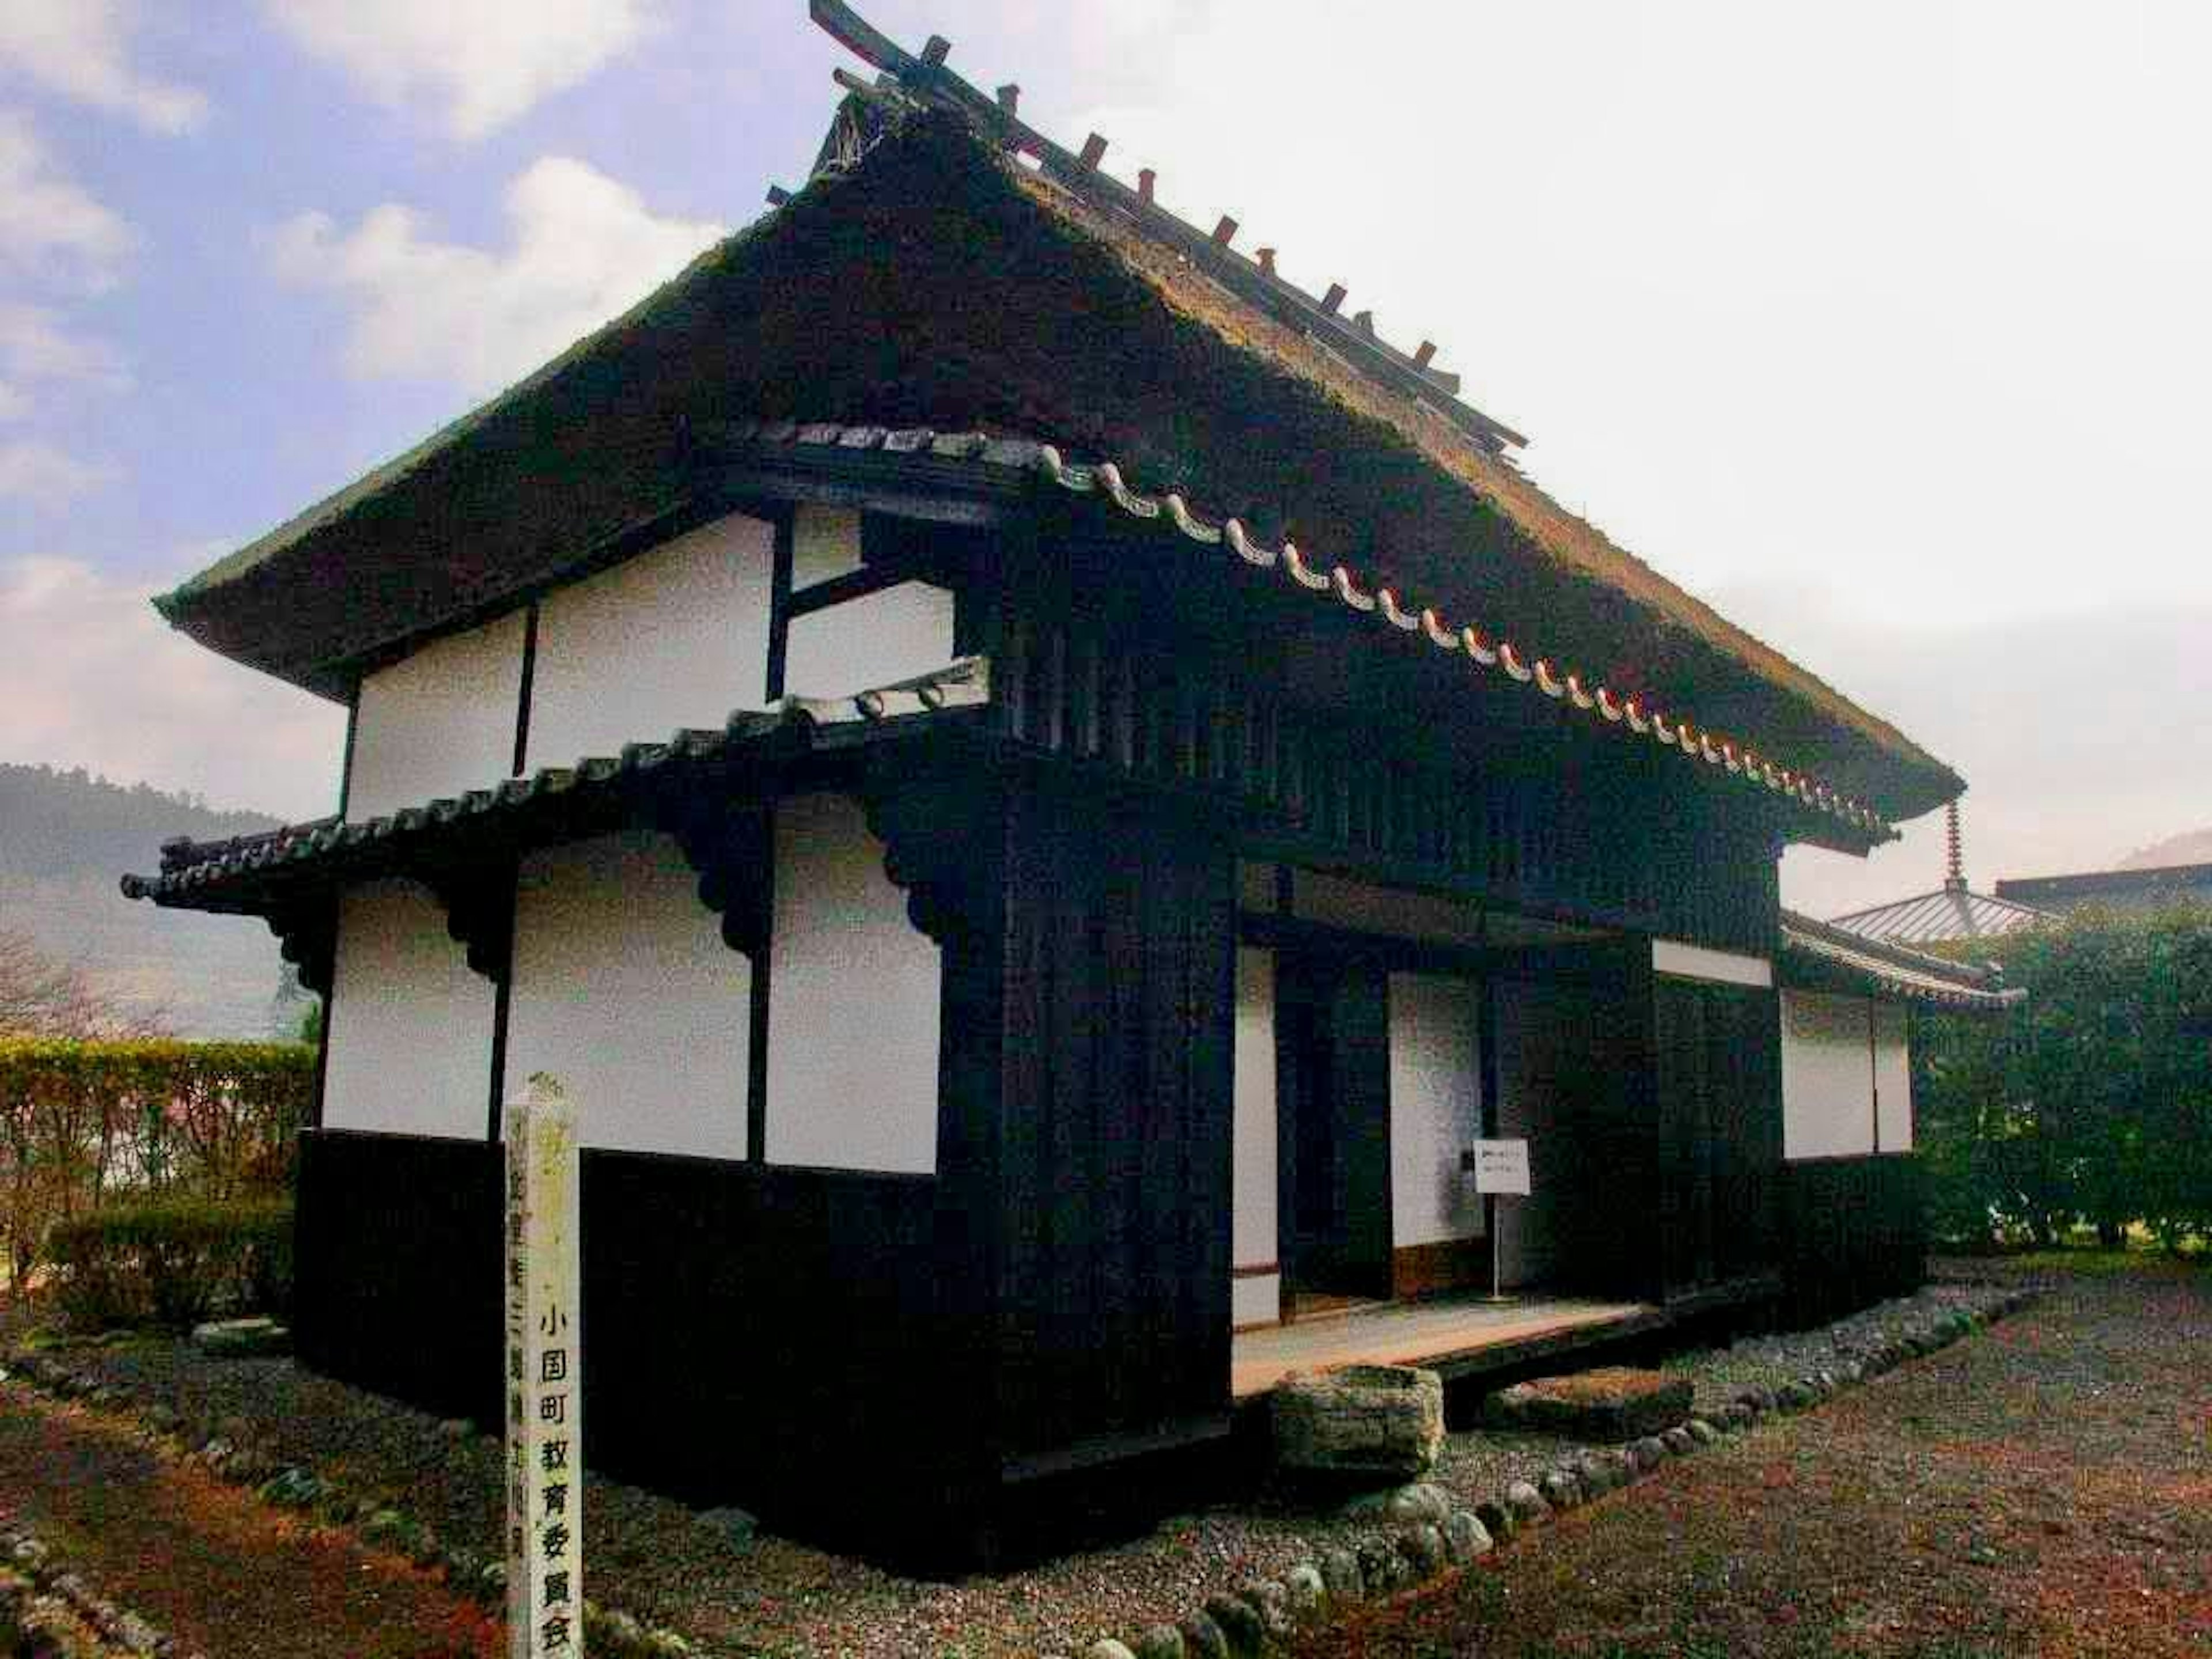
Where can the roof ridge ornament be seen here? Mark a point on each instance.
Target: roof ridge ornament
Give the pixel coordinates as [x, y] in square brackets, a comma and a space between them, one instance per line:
[910, 79]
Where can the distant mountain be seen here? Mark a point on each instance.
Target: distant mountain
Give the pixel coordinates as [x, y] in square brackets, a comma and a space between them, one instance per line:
[66, 838]
[2194, 846]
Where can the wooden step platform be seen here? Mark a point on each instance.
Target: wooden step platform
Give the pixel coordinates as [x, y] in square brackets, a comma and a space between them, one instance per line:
[1454, 1336]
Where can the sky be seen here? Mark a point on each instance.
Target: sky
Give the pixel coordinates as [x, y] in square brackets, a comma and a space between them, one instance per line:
[1881, 327]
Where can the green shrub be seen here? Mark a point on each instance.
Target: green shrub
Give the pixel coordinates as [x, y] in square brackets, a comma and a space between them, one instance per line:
[173, 1261]
[87, 1123]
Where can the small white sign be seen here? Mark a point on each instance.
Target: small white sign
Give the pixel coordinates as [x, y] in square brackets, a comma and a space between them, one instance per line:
[1502, 1166]
[544, 1380]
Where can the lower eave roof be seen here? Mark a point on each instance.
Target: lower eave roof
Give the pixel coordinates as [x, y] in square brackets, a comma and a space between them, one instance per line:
[1820, 956]
[241, 872]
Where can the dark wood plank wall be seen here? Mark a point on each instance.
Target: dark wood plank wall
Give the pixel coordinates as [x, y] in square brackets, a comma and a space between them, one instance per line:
[1853, 1234]
[1595, 1154]
[1717, 1080]
[753, 1335]
[1113, 1277]
[1555, 832]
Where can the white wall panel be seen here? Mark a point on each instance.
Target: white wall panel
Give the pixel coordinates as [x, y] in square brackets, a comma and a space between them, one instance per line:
[625, 991]
[1698, 961]
[677, 636]
[1893, 1077]
[1435, 1109]
[877, 639]
[1256, 1301]
[854, 1002]
[437, 722]
[410, 1025]
[1255, 1238]
[1827, 1077]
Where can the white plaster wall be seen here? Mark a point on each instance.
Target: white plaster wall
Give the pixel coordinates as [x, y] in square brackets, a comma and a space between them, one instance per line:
[1893, 1075]
[677, 636]
[624, 990]
[1255, 1236]
[437, 722]
[1256, 1301]
[1536, 1038]
[410, 1025]
[876, 640]
[1360, 907]
[825, 543]
[1698, 961]
[855, 995]
[1827, 1077]
[1435, 1109]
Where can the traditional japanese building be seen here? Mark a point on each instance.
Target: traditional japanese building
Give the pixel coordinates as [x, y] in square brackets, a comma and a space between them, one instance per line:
[1040, 786]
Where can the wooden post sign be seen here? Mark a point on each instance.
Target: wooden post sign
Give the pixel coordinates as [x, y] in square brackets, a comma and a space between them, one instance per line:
[544, 1383]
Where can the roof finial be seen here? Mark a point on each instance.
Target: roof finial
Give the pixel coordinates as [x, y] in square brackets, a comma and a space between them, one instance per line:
[1954, 863]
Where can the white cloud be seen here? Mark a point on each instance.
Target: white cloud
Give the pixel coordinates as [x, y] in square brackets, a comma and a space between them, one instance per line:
[34, 471]
[82, 50]
[91, 676]
[37, 345]
[584, 247]
[49, 228]
[484, 62]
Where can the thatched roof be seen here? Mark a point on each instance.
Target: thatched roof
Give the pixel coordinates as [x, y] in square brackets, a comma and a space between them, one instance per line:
[937, 282]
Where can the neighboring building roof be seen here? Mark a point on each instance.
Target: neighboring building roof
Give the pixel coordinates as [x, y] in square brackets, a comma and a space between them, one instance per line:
[2099, 886]
[1953, 911]
[1021, 301]
[1822, 956]
[240, 871]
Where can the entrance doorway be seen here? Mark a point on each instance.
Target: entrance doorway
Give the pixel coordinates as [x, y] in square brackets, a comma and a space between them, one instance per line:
[1333, 1070]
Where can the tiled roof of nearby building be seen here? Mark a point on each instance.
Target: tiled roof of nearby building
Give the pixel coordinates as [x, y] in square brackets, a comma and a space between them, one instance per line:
[1820, 954]
[1952, 912]
[192, 872]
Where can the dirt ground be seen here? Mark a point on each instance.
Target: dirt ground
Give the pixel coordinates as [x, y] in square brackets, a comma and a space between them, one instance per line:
[219, 1572]
[2043, 1488]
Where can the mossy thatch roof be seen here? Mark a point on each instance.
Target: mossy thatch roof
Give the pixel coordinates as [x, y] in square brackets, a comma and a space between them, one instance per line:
[938, 283]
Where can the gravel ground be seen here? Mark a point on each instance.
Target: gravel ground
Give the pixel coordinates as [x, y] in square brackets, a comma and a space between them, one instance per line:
[223, 1574]
[654, 1559]
[2045, 1488]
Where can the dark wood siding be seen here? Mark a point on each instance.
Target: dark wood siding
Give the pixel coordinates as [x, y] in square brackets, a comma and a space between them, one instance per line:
[1853, 1234]
[1633, 840]
[1717, 1049]
[1119, 992]
[758, 1335]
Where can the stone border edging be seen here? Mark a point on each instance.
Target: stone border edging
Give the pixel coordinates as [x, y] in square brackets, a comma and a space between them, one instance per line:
[30, 1568]
[294, 1487]
[1436, 1542]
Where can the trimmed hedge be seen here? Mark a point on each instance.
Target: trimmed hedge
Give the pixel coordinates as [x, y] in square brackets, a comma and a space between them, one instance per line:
[83, 1124]
[173, 1261]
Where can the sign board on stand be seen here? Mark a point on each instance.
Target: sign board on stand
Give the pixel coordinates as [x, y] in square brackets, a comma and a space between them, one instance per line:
[1501, 1169]
[1502, 1166]
[543, 1384]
